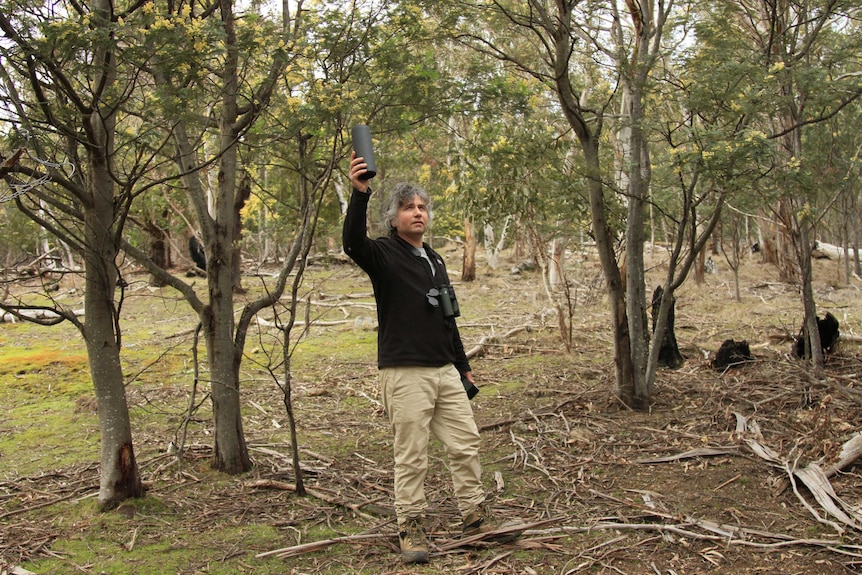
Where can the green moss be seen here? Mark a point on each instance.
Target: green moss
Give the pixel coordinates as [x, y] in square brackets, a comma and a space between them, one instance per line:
[48, 433]
[337, 347]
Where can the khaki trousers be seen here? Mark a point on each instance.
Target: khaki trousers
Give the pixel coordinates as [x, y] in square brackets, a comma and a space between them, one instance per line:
[430, 400]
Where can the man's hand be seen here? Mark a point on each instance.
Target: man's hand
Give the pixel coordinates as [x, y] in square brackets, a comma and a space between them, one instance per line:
[357, 168]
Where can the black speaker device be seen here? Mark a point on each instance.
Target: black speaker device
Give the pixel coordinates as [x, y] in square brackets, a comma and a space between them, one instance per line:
[361, 135]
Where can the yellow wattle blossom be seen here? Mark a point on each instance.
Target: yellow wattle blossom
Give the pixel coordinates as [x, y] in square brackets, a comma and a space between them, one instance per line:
[501, 143]
[425, 174]
[754, 135]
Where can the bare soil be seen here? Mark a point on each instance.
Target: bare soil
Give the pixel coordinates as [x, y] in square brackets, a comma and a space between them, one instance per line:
[676, 490]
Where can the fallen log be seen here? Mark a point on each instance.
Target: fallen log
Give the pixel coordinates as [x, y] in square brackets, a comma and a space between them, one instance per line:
[479, 348]
[34, 314]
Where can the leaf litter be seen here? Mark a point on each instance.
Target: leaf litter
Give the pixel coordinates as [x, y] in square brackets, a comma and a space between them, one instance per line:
[747, 470]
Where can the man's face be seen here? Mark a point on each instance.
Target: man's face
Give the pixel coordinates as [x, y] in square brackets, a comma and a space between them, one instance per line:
[412, 219]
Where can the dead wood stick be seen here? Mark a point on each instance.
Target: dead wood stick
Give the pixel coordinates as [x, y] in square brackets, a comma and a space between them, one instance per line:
[851, 451]
[299, 323]
[41, 505]
[273, 484]
[530, 414]
[488, 564]
[295, 550]
[479, 348]
[692, 453]
[473, 539]
[836, 545]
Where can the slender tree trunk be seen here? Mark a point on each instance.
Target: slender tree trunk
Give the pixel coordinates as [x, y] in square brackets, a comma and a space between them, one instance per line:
[243, 194]
[589, 136]
[468, 268]
[811, 332]
[623, 367]
[638, 163]
[120, 478]
[230, 452]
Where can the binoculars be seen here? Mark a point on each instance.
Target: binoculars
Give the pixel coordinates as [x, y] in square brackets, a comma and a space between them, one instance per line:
[444, 296]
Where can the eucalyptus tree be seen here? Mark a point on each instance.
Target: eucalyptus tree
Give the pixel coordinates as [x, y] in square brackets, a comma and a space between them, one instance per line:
[273, 123]
[595, 58]
[212, 74]
[802, 69]
[70, 72]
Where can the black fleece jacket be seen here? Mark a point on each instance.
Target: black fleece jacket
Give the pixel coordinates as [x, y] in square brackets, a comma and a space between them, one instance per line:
[412, 332]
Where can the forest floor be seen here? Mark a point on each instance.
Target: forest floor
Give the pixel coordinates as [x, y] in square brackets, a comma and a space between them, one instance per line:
[700, 483]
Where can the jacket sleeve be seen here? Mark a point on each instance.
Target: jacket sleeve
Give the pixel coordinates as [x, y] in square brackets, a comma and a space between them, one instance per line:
[354, 236]
[461, 363]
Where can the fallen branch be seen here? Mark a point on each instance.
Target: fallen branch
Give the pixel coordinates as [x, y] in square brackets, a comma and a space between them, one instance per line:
[727, 537]
[15, 570]
[692, 453]
[296, 550]
[479, 348]
[34, 314]
[44, 504]
[273, 484]
[447, 545]
[729, 534]
[526, 415]
[812, 476]
[267, 323]
[472, 540]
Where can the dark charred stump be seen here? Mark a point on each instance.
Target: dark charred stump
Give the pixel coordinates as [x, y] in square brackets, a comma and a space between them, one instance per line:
[829, 334]
[731, 354]
[197, 253]
[668, 355]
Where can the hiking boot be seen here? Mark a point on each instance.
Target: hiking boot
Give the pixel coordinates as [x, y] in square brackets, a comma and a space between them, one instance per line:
[414, 543]
[481, 520]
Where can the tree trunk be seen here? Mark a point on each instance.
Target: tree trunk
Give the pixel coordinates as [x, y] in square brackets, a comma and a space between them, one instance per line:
[242, 196]
[556, 263]
[230, 453]
[468, 268]
[638, 163]
[623, 367]
[811, 332]
[119, 475]
[589, 138]
[159, 250]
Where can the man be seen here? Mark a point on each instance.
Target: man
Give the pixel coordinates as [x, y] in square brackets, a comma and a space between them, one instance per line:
[420, 358]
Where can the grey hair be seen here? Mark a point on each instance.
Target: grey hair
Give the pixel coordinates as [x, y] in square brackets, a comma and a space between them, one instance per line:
[401, 194]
